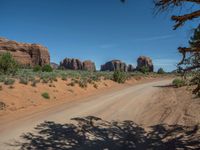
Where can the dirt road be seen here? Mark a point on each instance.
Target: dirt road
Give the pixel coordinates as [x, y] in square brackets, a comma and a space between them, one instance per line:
[134, 103]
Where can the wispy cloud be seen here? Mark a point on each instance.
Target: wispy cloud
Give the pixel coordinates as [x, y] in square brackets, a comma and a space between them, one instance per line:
[165, 62]
[154, 38]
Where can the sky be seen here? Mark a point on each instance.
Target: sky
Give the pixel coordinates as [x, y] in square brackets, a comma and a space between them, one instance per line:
[99, 30]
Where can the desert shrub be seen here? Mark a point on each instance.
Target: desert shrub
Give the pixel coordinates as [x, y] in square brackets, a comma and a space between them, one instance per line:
[2, 78]
[119, 76]
[82, 83]
[47, 68]
[45, 95]
[144, 69]
[45, 80]
[9, 81]
[23, 80]
[64, 77]
[95, 86]
[161, 71]
[37, 68]
[178, 82]
[7, 64]
[11, 87]
[2, 105]
[34, 82]
[71, 84]
[53, 77]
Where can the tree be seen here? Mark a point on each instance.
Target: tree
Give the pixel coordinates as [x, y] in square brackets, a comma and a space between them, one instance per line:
[47, 68]
[164, 5]
[190, 62]
[160, 71]
[7, 64]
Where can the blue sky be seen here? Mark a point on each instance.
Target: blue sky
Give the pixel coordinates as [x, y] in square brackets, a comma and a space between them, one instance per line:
[99, 30]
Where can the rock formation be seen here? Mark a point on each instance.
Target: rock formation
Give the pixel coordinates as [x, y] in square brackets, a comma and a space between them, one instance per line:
[76, 64]
[54, 65]
[144, 61]
[73, 64]
[25, 54]
[89, 65]
[114, 65]
[130, 68]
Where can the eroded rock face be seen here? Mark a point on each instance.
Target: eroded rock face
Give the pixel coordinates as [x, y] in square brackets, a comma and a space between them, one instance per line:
[73, 64]
[144, 61]
[114, 65]
[25, 54]
[130, 68]
[54, 65]
[89, 65]
[76, 64]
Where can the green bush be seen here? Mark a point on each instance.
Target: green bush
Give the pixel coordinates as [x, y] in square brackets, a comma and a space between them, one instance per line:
[161, 71]
[47, 68]
[23, 80]
[144, 69]
[9, 81]
[82, 83]
[119, 76]
[178, 82]
[37, 68]
[7, 64]
[34, 82]
[2, 78]
[46, 95]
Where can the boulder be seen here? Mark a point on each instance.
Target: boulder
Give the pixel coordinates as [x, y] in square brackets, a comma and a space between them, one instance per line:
[130, 68]
[114, 65]
[24, 53]
[144, 61]
[71, 63]
[89, 65]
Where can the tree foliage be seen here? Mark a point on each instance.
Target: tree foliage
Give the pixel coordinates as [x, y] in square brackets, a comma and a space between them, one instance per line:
[190, 63]
[160, 71]
[47, 68]
[7, 64]
[119, 76]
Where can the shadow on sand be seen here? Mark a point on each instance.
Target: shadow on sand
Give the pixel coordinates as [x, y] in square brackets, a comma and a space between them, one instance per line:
[92, 133]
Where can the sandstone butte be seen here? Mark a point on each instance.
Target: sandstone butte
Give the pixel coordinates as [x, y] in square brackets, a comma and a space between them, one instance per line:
[24, 53]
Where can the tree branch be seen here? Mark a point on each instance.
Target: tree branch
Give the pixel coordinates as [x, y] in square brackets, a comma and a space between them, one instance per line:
[180, 20]
[184, 50]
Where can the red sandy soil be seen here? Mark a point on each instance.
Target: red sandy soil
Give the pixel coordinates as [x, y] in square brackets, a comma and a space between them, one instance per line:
[20, 98]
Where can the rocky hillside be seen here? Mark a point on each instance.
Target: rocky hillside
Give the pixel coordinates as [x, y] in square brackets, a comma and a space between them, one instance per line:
[144, 61]
[25, 54]
[54, 65]
[76, 64]
[114, 65]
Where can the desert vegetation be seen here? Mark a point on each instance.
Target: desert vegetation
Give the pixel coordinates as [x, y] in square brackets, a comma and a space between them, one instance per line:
[11, 72]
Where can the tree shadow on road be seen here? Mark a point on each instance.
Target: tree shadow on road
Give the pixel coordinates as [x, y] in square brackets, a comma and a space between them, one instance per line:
[92, 133]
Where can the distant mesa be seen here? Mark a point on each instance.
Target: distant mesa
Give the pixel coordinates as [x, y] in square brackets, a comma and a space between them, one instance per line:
[76, 64]
[144, 61]
[54, 65]
[114, 65]
[24, 53]
[89, 65]
[36, 54]
[131, 68]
